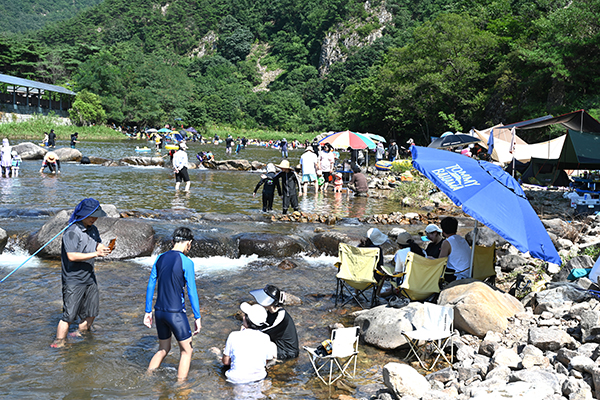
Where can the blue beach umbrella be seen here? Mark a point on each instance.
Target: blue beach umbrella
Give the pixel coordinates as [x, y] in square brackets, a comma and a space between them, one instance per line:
[490, 195]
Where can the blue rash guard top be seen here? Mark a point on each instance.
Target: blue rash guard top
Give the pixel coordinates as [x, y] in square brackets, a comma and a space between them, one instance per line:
[174, 271]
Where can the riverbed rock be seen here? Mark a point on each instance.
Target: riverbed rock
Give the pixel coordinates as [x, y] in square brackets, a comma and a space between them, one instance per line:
[479, 308]
[30, 151]
[557, 297]
[269, 245]
[135, 238]
[229, 165]
[403, 380]
[486, 237]
[98, 160]
[550, 339]
[68, 154]
[583, 261]
[3, 239]
[328, 243]
[143, 161]
[382, 326]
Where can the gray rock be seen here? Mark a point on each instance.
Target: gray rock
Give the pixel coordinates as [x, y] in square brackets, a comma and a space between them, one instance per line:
[257, 165]
[506, 357]
[269, 245]
[436, 395]
[515, 390]
[501, 372]
[565, 356]
[30, 151]
[328, 243]
[596, 380]
[582, 364]
[588, 350]
[404, 380]
[561, 228]
[382, 326]
[539, 377]
[143, 161]
[573, 263]
[463, 351]
[589, 320]
[556, 297]
[443, 375]
[68, 154]
[467, 373]
[3, 239]
[576, 389]
[550, 339]
[488, 348]
[486, 237]
[510, 262]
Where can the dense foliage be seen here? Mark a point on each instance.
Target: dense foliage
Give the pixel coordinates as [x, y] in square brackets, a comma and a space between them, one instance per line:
[441, 65]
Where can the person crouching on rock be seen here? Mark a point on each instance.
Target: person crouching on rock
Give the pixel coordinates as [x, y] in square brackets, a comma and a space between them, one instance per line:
[52, 162]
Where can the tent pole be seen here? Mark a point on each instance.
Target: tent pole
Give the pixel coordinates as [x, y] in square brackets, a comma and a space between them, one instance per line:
[475, 234]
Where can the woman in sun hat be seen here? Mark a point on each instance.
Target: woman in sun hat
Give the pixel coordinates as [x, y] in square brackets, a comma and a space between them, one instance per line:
[290, 186]
[52, 162]
[280, 325]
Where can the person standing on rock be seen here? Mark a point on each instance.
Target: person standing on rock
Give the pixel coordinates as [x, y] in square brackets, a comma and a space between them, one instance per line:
[51, 138]
[172, 272]
[180, 163]
[81, 245]
[290, 186]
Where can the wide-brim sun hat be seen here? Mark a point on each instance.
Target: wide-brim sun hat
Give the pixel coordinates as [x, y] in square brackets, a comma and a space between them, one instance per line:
[433, 228]
[255, 313]
[284, 164]
[403, 238]
[309, 148]
[51, 156]
[183, 146]
[271, 167]
[87, 208]
[376, 236]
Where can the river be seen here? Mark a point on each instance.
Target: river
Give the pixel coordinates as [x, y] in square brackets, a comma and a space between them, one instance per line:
[111, 361]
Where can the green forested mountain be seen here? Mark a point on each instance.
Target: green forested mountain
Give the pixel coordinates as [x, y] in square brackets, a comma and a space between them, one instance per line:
[19, 16]
[399, 68]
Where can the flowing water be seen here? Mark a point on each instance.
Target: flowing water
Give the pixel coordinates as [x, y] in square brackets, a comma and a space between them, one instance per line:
[111, 361]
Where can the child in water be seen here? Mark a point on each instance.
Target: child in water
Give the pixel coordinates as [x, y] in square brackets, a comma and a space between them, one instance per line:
[338, 183]
[15, 164]
[270, 184]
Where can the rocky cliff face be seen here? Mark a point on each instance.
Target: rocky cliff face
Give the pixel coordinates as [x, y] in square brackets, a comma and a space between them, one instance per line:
[338, 44]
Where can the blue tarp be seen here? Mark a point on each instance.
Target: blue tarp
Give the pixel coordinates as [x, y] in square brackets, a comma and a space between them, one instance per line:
[490, 195]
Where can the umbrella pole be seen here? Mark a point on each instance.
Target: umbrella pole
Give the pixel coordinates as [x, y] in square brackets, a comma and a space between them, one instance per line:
[476, 231]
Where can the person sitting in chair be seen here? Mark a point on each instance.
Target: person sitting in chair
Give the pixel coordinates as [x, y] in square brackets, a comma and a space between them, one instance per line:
[456, 248]
[434, 236]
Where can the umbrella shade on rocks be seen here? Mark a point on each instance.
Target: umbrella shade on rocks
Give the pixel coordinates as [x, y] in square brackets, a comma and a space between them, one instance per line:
[345, 139]
[453, 140]
[490, 195]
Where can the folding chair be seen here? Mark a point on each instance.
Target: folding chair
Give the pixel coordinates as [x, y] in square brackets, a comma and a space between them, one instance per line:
[344, 346]
[422, 276]
[484, 259]
[388, 273]
[433, 336]
[356, 273]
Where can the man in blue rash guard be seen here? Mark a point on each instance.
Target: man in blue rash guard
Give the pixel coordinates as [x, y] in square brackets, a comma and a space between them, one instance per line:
[173, 271]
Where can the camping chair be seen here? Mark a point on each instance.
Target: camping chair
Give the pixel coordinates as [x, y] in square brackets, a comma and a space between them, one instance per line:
[422, 276]
[387, 273]
[344, 345]
[484, 259]
[356, 274]
[433, 336]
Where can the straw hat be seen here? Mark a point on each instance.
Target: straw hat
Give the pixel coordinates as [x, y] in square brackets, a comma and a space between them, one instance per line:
[285, 164]
[51, 156]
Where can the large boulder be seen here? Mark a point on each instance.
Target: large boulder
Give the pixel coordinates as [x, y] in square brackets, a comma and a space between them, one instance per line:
[328, 243]
[556, 297]
[478, 308]
[574, 263]
[30, 151]
[268, 244]
[561, 228]
[3, 239]
[486, 237]
[382, 326]
[68, 154]
[229, 165]
[403, 380]
[143, 161]
[550, 339]
[135, 238]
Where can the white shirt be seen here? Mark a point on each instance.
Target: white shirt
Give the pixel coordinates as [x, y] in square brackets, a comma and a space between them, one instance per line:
[180, 159]
[309, 162]
[460, 256]
[400, 259]
[326, 160]
[249, 351]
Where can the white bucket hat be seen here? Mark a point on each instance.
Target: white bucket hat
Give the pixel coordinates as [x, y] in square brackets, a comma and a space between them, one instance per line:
[377, 237]
[255, 313]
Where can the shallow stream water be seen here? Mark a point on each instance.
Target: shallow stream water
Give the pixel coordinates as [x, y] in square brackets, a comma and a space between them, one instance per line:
[111, 361]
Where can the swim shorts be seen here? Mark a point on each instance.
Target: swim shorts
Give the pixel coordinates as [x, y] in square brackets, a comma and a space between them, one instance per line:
[327, 176]
[172, 322]
[80, 301]
[309, 178]
[182, 175]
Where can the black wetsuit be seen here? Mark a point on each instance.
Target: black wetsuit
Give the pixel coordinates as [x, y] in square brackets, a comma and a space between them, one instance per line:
[270, 183]
[290, 186]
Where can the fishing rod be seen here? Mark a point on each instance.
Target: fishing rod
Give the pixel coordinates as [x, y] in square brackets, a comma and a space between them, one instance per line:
[33, 255]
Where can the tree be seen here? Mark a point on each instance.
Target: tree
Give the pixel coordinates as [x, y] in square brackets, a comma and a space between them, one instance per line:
[87, 109]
